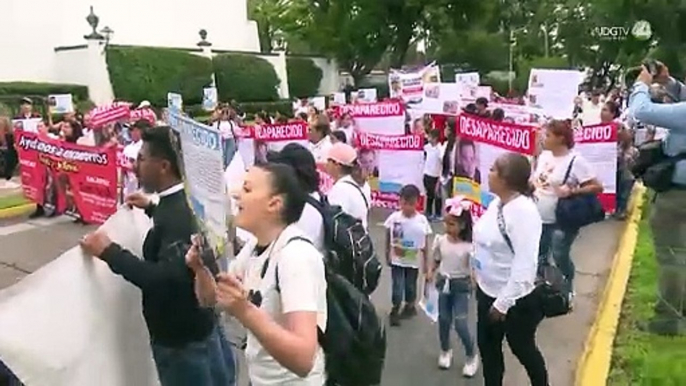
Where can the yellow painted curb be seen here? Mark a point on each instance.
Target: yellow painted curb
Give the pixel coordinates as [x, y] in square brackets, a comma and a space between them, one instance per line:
[16, 210]
[594, 364]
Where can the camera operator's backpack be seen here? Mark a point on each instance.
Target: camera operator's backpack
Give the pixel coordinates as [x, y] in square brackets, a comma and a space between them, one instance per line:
[354, 343]
[350, 252]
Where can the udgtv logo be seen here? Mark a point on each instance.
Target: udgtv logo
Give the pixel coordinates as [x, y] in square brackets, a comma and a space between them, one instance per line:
[641, 30]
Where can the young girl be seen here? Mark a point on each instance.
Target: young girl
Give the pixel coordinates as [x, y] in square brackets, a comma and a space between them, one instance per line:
[451, 272]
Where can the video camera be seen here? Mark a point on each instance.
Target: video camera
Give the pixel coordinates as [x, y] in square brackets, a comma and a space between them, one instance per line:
[670, 87]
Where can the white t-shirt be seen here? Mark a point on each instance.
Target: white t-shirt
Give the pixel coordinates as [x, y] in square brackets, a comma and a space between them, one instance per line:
[591, 113]
[433, 162]
[302, 288]
[501, 273]
[454, 257]
[226, 128]
[312, 224]
[550, 172]
[408, 238]
[353, 199]
[320, 150]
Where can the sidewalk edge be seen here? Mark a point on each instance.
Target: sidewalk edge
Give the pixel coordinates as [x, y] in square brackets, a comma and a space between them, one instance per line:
[594, 363]
[16, 211]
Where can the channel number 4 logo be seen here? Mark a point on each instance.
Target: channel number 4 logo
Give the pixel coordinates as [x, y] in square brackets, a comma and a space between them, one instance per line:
[642, 30]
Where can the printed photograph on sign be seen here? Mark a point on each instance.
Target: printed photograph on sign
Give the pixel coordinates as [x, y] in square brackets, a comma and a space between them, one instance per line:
[467, 160]
[369, 161]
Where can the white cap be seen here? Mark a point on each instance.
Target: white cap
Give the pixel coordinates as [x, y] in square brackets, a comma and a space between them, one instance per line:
[143, 104]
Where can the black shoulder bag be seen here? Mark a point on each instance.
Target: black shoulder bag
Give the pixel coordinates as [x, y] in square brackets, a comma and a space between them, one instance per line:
[550, 289]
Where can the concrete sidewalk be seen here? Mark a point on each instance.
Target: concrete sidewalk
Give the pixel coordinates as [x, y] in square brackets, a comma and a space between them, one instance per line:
[413, 347]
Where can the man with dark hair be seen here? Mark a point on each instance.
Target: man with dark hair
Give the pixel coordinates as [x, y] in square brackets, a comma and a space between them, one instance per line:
[188, 345]
[482, 107]
[466, 161]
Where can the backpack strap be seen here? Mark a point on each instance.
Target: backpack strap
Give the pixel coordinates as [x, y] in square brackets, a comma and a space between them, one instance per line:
[276, 268]
[366, 203]
[569, 170]
[502, 228]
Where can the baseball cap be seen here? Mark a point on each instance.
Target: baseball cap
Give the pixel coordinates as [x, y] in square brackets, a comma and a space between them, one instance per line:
[26, 101]
[343, 154]
[144, 104]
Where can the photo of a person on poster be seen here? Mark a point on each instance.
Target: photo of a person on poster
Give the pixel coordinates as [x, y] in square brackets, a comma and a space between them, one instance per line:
[467, 161]
[368, 161]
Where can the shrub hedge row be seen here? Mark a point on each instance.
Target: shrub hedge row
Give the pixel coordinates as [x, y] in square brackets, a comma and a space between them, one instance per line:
[304, 77]
[139, 73]
[144, 73]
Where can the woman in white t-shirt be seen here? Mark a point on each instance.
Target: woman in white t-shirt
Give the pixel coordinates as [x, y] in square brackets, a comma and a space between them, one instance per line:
[301, 160]
[225, 123]
[276, 286]
[506, 240]
[353, 198]
[555, 162]
[320, 141]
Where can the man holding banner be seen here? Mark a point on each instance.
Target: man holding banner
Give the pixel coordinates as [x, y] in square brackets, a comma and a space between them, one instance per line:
[188, 345]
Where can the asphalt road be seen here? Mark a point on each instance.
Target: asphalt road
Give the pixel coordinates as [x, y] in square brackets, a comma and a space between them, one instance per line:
[412, 348]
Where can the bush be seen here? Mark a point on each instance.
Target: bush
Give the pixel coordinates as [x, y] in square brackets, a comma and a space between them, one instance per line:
[12, 92]
[145, 73]
[22, 89]
[284, 107]
[245, 78]
[304, 77]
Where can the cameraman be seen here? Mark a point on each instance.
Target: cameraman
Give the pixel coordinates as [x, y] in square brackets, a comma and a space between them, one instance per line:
[669, 210]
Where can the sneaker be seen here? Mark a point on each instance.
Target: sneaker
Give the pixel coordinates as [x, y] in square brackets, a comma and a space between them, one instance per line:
[471, 366]
[408, 312]
[445, 360]
[394, 317]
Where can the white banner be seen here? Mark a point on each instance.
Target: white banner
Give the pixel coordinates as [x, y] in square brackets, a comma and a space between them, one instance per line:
[554, 91]
[75, 323]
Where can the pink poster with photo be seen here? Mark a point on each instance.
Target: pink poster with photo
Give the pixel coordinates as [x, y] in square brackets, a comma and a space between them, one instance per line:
[598, 145]
[394, 161]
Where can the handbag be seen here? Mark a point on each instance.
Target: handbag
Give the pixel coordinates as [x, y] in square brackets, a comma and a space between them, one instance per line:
[550, 288]
[577, 211]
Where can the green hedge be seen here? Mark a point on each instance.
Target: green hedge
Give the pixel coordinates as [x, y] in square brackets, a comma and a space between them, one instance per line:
[304, 77]
[145, 73]
[22, 89]
[245, 78]
[12, 92]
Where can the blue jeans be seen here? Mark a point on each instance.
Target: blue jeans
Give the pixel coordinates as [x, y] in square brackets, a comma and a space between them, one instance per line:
[624, 186]
[453, 306]
[209, 362]
[404, 286]
[558, 242]
[228, 150]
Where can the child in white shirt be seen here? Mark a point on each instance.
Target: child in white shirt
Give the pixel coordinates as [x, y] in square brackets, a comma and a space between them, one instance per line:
[451, 272]
[433, 163]
[407, 245]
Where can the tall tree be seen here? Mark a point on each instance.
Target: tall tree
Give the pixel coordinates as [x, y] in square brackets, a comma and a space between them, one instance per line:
[353, 32]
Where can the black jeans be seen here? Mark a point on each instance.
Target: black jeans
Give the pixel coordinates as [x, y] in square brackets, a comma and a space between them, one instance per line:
[519, 328]
[433, 200]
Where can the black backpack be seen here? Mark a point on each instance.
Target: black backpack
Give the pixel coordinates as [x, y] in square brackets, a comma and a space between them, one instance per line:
[349, 247]
[355, 340]
[551, 289]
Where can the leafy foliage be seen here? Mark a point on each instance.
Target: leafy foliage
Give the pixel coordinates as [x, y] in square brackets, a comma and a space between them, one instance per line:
[245, 78]
[304, 77]
[145, 73]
